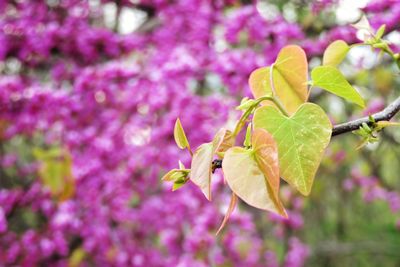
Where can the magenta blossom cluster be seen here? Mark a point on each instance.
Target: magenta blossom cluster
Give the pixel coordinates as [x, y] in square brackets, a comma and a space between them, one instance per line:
[372, 189]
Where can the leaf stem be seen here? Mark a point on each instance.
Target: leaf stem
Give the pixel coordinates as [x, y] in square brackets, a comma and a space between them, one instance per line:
[271, 79]
[190, 151]
[250, 110]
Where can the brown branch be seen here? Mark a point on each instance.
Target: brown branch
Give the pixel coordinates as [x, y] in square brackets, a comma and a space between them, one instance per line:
[346, 127]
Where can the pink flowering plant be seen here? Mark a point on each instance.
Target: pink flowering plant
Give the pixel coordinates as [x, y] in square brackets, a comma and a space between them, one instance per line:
[91, 90]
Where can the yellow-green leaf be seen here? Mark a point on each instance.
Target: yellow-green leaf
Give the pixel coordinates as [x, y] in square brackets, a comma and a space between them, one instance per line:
[175, 174]
[335, 53]
[180, 136]
[203, 157]
[331, 80]
[301, 139]
[289, 78]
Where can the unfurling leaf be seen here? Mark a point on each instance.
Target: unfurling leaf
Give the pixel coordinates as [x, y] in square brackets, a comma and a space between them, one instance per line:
[231, 208]
[301, 138]
[367, 134]
[253, 174]
[203, 157]
[178, 176]
[335, 53]
[289, 78]
[180, 136]
[56, 172]
[330, 79]
[175, 174]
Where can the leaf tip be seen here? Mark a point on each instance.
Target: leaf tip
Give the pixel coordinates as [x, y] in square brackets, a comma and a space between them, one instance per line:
[180, 136]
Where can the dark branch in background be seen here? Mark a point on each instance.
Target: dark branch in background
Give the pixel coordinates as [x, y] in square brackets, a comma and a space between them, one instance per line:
[346, 127]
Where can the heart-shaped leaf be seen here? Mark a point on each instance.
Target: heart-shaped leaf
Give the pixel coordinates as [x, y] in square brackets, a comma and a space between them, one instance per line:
[203, 157]
[335, 53]
[301, 139]
[180, 136]
[330, 79]
[253, 174]
[289, 78]
[266, 154]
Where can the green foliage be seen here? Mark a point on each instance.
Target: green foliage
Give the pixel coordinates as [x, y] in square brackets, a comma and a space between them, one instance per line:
[301, 138]
[330, 79]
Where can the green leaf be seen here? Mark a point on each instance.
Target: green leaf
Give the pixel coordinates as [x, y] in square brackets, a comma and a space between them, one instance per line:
[290, 75]
[380, 32]
[246, 179]
[330, 79]
[175, 174]
[180, 136]
[335, 53]
[203, 157]
[301, 139]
